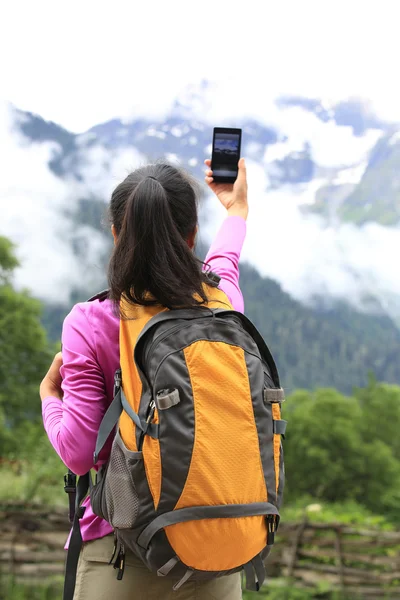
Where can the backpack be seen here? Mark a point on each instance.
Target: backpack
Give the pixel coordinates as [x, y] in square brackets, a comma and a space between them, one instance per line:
[195, 477]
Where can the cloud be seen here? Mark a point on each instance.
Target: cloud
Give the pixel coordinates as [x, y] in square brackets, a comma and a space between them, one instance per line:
[332, 146]
[37, 211]
[308, 257]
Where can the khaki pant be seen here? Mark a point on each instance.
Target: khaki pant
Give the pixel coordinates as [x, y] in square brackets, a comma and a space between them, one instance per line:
[96, 580]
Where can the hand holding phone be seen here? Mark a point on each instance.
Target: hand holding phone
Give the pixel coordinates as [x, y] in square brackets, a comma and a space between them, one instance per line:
[233, 197]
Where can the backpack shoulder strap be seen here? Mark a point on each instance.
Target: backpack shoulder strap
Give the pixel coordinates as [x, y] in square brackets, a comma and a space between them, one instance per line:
[255, 334]
[100, 296]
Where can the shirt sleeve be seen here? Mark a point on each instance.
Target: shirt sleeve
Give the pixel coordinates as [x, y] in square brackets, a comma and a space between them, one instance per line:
[223, 258]
[73, 423]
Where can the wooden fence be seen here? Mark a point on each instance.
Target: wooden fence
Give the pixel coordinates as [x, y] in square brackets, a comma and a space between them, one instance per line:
[361, 563]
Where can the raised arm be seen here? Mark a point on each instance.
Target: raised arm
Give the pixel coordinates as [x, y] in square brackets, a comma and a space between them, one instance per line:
[223, 258]
[224, 254]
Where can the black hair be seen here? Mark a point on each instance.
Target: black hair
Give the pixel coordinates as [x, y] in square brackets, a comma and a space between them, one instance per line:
[154, 212]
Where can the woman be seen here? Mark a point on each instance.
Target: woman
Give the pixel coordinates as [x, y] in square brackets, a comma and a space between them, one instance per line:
[154, 224]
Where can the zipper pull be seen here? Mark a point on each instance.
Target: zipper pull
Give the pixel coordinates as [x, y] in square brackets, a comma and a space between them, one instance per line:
[152, 407]
[117, 381]
[121, 563]
[271, 530]
[114, 549]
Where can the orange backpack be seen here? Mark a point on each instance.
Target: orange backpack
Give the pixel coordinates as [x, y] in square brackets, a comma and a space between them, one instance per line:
[195, 476]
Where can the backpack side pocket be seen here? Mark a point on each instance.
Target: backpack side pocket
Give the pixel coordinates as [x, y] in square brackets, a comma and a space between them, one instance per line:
[114, 497]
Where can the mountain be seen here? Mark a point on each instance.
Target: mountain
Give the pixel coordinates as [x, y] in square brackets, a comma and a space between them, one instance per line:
[334, 347]
[353, 112]
[312, 347]
[377, 197]
[323, 225]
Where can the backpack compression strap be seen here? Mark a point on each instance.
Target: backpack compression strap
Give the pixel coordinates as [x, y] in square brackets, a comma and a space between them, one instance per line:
[113, 413]
[75, 542]
[70, 489]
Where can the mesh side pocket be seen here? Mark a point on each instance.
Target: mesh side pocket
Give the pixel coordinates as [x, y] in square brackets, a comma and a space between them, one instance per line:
[121, 497]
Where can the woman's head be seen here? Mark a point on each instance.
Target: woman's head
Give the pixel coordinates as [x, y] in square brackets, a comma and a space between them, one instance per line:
[154, 214]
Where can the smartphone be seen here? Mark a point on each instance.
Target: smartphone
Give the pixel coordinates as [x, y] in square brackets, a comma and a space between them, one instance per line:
[225, 154]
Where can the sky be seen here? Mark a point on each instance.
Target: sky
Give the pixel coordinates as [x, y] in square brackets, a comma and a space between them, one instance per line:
[84, 62]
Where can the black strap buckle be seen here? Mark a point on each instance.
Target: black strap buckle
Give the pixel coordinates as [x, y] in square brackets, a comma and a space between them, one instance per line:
[70, 483]
[213, 277]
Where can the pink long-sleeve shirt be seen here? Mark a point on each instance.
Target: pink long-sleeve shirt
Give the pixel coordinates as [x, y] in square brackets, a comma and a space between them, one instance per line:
[90, 349]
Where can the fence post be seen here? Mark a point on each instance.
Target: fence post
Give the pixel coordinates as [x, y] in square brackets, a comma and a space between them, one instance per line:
[339, 560]
[295, 547]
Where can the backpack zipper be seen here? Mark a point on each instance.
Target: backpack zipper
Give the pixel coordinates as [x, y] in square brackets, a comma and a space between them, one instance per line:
[152, 408]
[160, 338]
[114, 549]
[120, 563]
[163, 336]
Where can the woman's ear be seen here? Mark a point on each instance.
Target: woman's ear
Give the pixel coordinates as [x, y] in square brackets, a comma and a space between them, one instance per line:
[114, 232]
[192, 239]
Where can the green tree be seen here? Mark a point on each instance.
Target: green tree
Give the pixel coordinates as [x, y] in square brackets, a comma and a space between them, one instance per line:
[332, 453]
[25, 353]
[380, 403]
[8, 261]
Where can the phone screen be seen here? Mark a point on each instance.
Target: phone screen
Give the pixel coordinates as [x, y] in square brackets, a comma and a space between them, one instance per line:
[225, 154]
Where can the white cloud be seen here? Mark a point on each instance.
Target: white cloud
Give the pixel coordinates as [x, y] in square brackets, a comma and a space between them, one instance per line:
[101, 170]
[89, 61]
[35, 209]
[310, 258]
[332, 146]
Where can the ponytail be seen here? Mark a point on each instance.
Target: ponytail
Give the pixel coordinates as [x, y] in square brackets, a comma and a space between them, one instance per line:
[152, 262]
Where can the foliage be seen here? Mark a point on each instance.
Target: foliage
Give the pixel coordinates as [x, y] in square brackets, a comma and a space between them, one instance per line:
[337, 448]
[33, 471]
[320, 348]
[17, 591]
[346, 512]
[287, 592]
[25, 355]
[271, 591]
[278, 593]
[8, 260]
